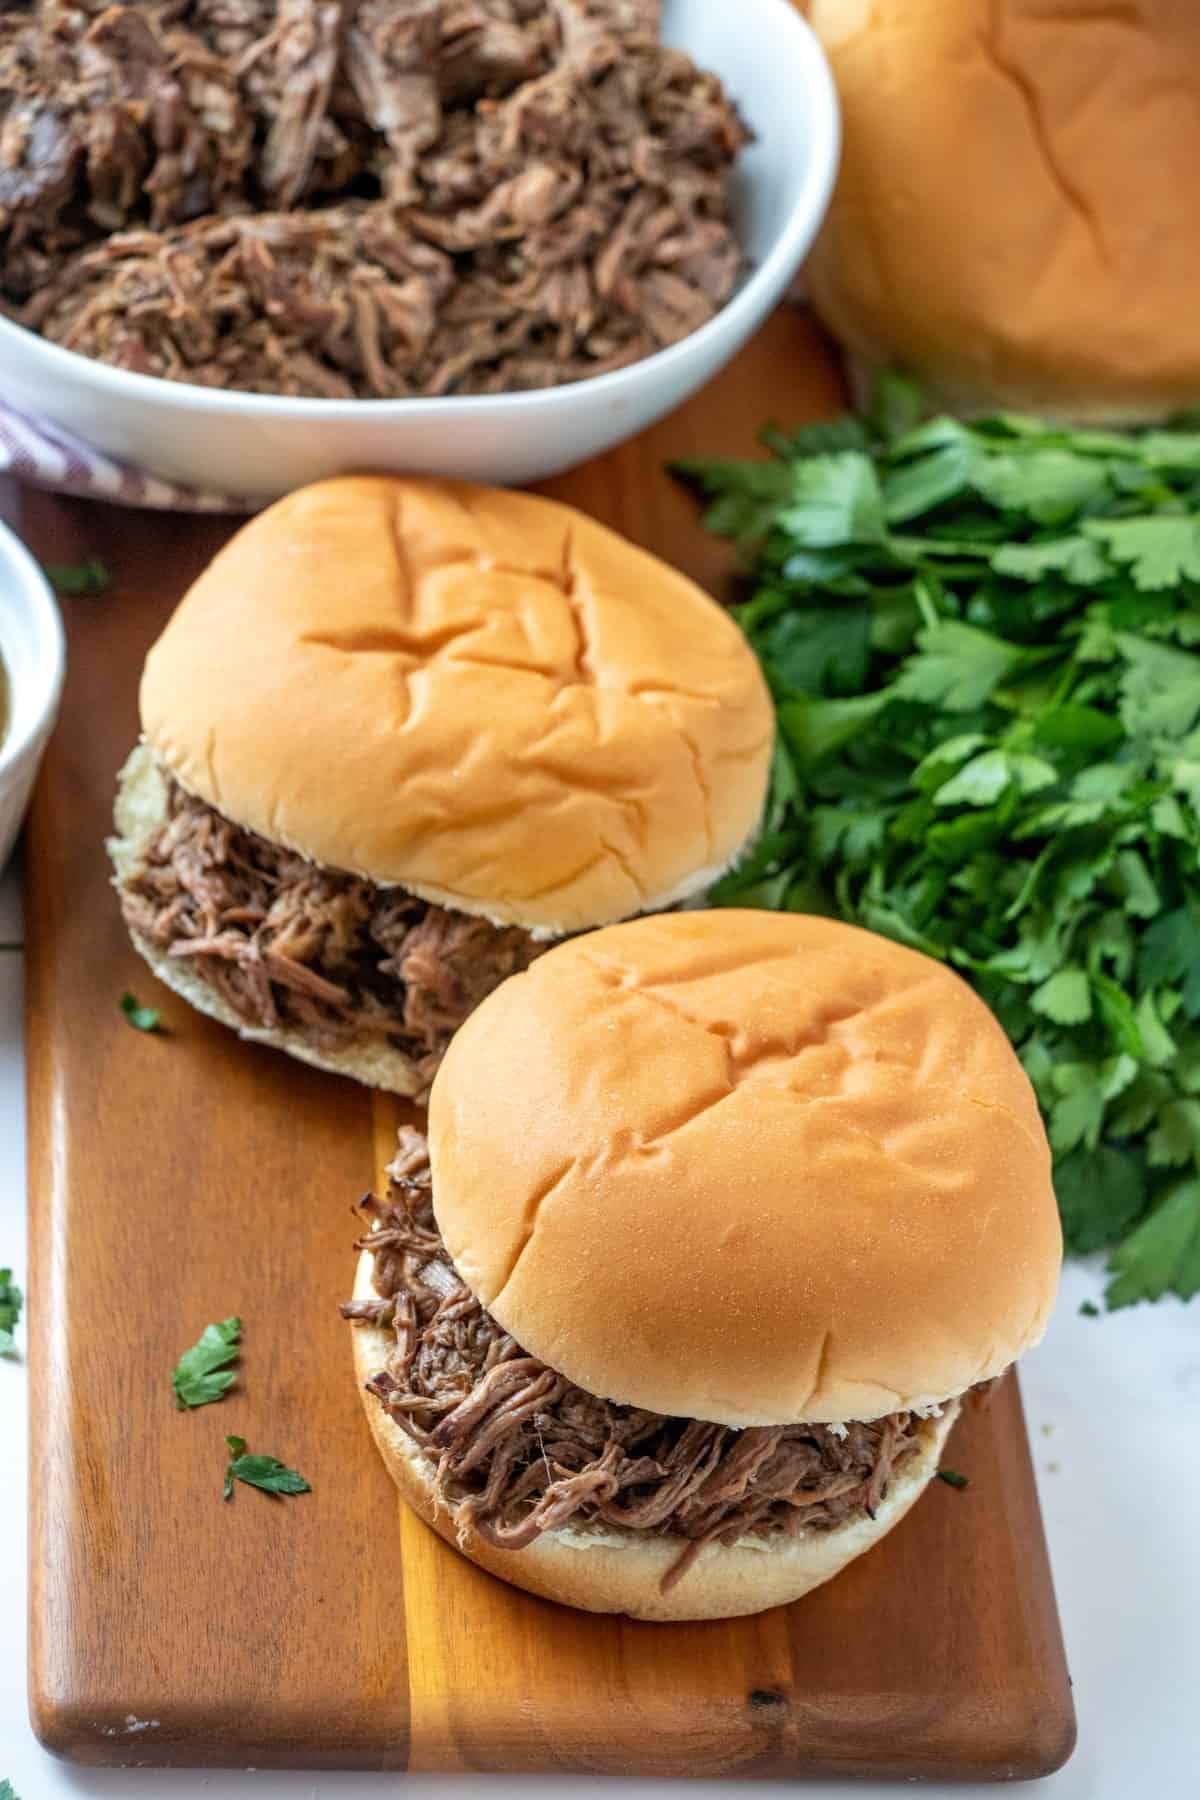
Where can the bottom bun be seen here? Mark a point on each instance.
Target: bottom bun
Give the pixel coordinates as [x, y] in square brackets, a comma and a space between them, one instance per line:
[603, 1569]
[141, 811]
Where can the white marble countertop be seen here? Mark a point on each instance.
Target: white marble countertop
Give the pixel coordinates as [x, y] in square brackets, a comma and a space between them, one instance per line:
[1114, 1413]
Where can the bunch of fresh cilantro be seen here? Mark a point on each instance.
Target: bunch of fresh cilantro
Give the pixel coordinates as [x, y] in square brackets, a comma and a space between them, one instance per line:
[983, 643]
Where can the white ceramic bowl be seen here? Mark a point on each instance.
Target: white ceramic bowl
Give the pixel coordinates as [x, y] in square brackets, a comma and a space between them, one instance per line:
[34, 655]
[257, 445]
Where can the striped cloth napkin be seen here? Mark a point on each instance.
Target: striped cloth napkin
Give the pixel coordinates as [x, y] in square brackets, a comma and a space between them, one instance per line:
[49, 457]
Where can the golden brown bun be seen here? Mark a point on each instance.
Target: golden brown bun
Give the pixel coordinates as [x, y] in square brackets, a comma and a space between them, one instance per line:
[602, 1569]
[1015, 217]
[480, 695]
[140, 811]
[747, 1167]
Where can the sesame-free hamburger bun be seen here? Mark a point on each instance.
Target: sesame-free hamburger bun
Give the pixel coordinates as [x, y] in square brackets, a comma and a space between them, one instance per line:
[479, 697]
[747, 1168]
[1015, 217]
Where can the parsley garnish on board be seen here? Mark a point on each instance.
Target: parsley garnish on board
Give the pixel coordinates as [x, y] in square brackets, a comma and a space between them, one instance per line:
[983, 642]
[952, 1478]
[10, 1313]
[90, 576]
[205, 1372]
[264, 1472]
[142, 1018]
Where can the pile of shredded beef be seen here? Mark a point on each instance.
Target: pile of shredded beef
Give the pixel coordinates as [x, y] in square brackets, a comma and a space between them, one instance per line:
[289, 943]
[372, 198]
[519, 1451]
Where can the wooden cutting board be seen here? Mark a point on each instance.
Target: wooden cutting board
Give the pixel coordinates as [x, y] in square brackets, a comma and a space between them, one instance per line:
[179, 1178]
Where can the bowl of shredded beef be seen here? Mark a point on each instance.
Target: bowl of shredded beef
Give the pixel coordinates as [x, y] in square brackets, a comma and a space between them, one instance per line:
[245, 244]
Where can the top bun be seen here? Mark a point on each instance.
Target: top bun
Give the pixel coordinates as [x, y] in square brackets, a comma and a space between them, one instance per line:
[747, 1167]
[480, 695]
[1015, 217]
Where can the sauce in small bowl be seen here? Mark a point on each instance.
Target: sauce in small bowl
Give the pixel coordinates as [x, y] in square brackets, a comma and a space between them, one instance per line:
[32, 664]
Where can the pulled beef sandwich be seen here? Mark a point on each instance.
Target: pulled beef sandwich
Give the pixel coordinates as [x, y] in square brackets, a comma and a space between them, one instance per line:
[719, 1217]
[399, 736]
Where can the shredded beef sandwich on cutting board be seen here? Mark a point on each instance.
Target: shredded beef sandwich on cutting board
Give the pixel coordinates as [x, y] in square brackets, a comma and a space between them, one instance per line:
[719, 1217]
[400, 736]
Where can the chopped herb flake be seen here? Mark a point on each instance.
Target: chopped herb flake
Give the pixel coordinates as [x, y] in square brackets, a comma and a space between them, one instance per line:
[264, 1472]
[205, 1372]
[10, 1313]
[90, 576]
[142, 1018]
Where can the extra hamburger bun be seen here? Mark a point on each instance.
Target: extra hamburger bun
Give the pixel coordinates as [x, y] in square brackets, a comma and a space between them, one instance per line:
[750, 1168]
[479, 695]
[1015, 216]
[601, 1569]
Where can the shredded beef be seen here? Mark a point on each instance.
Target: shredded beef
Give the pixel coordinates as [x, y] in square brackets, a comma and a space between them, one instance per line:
[372, 198]
[519, 1451]
[291, 944]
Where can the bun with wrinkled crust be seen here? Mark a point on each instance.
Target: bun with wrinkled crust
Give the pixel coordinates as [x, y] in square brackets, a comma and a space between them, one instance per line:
[604, 1569]
[1015, 217]
[747, 1167]
[479, 695]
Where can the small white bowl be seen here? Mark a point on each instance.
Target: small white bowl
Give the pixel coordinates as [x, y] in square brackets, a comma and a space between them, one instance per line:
[260, 446]
[34, 655]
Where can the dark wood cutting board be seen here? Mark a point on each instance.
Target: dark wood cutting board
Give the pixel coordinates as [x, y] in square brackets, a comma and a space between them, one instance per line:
[178, 1178]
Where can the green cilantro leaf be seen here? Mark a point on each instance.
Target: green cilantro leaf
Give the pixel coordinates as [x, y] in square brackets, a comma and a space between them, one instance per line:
[142, 1018]
[746, 495]
[844, 433]
[1089, 1309]
[919, 486]
[1100, 1194]
[1077, 558]
[835, 499]
[1170, 449]
[1169, 954]
[1163, 1254]
[1160, 551]
[205, 1372]
[952, 1478]
[1074, 727]
[957, 667]
[1066, 997]
[1175, 1140]
[10, 1313]
[1051, 486]
[982, 780]
[7, 1792]
[896, 405]
[814, 729]
[90, 576]
[822, 648]
[1160, 689]
[264, 1472]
